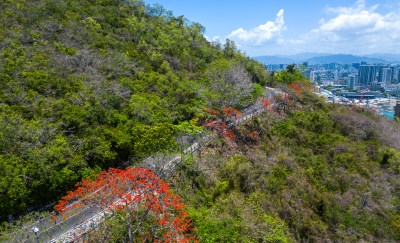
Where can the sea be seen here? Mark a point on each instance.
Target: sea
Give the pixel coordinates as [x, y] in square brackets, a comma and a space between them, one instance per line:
[387, 111]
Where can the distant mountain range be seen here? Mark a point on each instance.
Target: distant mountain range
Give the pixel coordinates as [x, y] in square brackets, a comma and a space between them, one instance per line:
[323, 58]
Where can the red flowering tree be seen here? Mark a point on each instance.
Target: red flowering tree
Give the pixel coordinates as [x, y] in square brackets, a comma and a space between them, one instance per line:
[293, 94]
[275, 104]
[218, 121]
[142, 205]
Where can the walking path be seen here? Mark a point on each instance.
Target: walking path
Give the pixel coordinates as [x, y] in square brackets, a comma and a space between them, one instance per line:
[86, 219]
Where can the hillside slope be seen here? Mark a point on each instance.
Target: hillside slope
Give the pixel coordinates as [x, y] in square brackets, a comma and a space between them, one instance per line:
[83, 81]
[307, 171]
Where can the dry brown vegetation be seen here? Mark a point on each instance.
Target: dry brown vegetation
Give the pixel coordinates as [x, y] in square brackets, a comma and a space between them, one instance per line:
[327, 175]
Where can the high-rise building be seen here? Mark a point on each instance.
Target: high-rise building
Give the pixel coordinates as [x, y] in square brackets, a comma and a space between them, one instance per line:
[351, 81]
[392, 76]
[385, 75]
[330, 66]
[356, 65]
[380, 71]
[389, 78]
[398, 75]
[366, 74]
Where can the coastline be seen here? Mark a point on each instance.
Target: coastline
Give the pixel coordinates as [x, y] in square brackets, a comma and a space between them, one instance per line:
[382, 106]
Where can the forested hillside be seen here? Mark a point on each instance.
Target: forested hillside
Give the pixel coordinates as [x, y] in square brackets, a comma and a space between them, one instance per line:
[302, 171]
[82, 82]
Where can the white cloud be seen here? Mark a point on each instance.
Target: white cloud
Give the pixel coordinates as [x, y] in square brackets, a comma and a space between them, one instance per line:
[352, 20]
[268, 32]
[356, 29]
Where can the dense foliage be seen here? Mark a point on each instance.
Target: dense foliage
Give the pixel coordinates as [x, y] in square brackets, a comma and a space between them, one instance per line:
[312, 172]
[83, 82]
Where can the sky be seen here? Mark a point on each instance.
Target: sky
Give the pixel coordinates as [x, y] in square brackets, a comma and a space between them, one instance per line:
[286, 27]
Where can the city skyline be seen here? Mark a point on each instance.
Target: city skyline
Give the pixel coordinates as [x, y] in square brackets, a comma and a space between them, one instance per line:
[289, 27]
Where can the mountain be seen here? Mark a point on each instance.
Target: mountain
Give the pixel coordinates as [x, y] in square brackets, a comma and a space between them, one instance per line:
[275, 60]
[287, 59]
[323, 58]
[393, 58]
[306, 55]
[343, 59]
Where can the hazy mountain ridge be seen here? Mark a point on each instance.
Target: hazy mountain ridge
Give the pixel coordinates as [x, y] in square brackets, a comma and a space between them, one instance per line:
[322, 58]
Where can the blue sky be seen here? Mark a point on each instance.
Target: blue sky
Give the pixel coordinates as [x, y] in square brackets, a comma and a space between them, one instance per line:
[265, 27]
